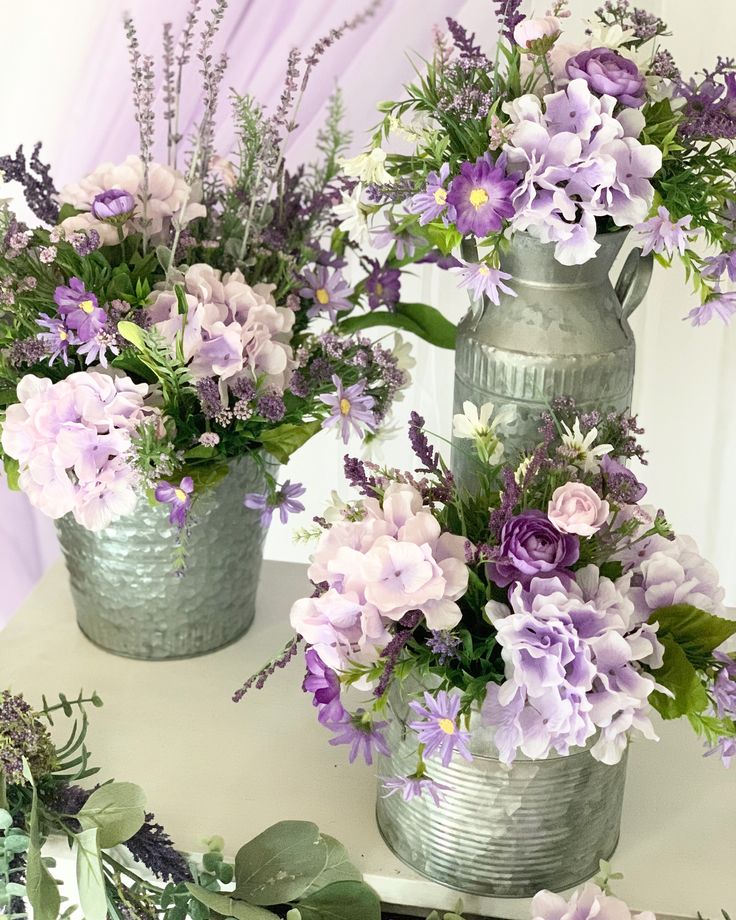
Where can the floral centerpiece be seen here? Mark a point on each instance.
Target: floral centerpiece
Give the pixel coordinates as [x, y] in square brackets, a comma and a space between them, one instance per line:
[542, 619]
[163, 331]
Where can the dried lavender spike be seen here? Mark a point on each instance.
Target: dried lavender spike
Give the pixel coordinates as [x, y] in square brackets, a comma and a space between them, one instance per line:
[211, 79]
[169, 90]
[39, 190]
[142, 72]
[259, 679]
[182, 57]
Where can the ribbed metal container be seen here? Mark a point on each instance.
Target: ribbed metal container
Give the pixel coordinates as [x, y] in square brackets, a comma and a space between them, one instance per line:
[566, 333]
[502, 831]
[130, 602]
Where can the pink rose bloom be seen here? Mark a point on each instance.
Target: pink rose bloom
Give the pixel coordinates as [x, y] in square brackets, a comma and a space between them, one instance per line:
[70, 439]
[168, 193]
[232, 330]
[530, 31]
[576, 508]
[393, 560]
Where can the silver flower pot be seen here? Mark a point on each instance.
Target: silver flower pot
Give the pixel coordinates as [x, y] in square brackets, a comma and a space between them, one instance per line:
[130, 601]
[501, 831]
[566, 333]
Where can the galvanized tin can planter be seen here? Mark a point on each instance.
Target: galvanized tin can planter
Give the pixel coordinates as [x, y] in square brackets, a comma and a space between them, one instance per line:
[127, 596]
[502, 831]
[566, 333]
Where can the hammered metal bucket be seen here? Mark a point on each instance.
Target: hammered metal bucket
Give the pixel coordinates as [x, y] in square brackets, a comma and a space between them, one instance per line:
[128, 598]
[502, 831]
[565, 333]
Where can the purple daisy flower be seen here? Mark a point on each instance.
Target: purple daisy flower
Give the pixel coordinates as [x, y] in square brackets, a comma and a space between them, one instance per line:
[96, 349]
[479, 199]
[482, 280]
[80, 309]
[437, 726]
[285, 499]
[662, 234]
[432, 202]
[351, 408]
[722, 264]
[414, 787]
[178, 497]
[57, 340]
[722, 304]
[361, 733]
[328, 291]
[383, 286]
[114, 205]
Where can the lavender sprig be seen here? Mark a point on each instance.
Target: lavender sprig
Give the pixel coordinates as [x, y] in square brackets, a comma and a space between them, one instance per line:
[405, 628]
[212, 74]
[39, 190]
[258, 680]
[169, 90]
[508, 16]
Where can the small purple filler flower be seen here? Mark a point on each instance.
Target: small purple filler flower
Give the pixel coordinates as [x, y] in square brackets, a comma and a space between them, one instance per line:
[351, 408]
[114, 205]
[285, 499]
[479, 198]
[178, 497]
[80, 309]
[383, 286]
[437, 726]
[328, 290]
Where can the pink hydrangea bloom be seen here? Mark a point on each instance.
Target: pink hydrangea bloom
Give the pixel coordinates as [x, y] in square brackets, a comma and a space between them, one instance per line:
[232, 330]
[168, 193]
[587, 903]
[395, 559]
[70, 439]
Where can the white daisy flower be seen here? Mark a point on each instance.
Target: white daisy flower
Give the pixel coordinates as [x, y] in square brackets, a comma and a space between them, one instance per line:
[581, 449]
[369, 168]
[353, 218]
[480, 427]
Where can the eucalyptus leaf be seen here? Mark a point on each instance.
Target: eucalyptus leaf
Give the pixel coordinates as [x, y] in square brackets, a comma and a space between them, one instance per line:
[282, 441]
[117, 809]
[132, 333]
[338, 868]
[280, 864]
[6, 820]
[342, 901]
[42, 890]
[679, 676]
[228, 906]
[90, 877]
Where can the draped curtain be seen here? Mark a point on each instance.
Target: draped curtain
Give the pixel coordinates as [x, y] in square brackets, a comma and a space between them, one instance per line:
[71, 88]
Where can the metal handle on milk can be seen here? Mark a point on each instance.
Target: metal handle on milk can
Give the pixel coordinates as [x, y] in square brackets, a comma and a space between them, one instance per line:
[633, 282]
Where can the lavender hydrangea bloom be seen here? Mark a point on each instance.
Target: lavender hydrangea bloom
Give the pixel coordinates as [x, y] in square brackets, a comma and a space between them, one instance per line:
[479, 199]
[587, 903]
[437, 726]
[608, 73]
[530, 546]
[431, 203]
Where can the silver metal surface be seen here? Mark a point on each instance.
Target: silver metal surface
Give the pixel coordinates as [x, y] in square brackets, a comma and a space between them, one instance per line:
[502, 831]
[127, 597]
[566, 333]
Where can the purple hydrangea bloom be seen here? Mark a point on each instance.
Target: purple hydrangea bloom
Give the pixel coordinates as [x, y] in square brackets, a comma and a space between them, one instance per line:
[79, 309]
[328, 290]
[361, 733]
[721, 304]
[432, 202]
[483, 280]
[661, 234]
[531, 545]
[383, 286]
[285, 499]
[437, 726]
[57, 339]
[414, 787]
[178, 497]
[479, 199]
[351, 408]
[608, 73]
[114, 205]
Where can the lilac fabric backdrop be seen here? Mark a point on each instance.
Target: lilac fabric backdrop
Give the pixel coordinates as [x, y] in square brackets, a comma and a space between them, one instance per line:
[97, 124]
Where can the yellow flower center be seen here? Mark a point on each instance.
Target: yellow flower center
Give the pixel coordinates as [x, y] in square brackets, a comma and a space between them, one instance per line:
[87, 305]
[447, 726]
[344, 406]
[440, 196]
[62, 335]
[322, 296]
[478, 197]
[484, 270]
[379, 288]
[180, 494]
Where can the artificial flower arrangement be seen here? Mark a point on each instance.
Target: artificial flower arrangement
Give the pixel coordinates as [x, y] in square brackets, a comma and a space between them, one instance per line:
[561, 140]
[550, 607]
[127, 865]
[163, 322]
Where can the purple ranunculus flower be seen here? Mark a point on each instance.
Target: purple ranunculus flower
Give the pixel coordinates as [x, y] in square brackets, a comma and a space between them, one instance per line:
[79, 309]
[530, 546]
[608, 73]
[479, 199]
[351, 408]
[437, 726]
[178, 497]
[383, 286]
[114, 205]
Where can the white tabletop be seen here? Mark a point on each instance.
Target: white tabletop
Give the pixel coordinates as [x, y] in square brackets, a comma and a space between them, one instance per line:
[210, 766]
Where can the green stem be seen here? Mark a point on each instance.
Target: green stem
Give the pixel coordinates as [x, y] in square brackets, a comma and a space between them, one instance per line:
[3, 790]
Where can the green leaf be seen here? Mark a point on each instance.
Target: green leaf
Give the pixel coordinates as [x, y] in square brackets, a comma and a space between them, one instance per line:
[228, 906]
[6, 820]
[66, 210]
[281, 442]
[43, 892]
[117, 809]
[90, 877]
[132, 333]
[424, 321]
[698, 633]
[200, 452]
[338, 868]
[182, 304]
[280, 864]
[12, 472]
[342, 901]
[678, 675]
